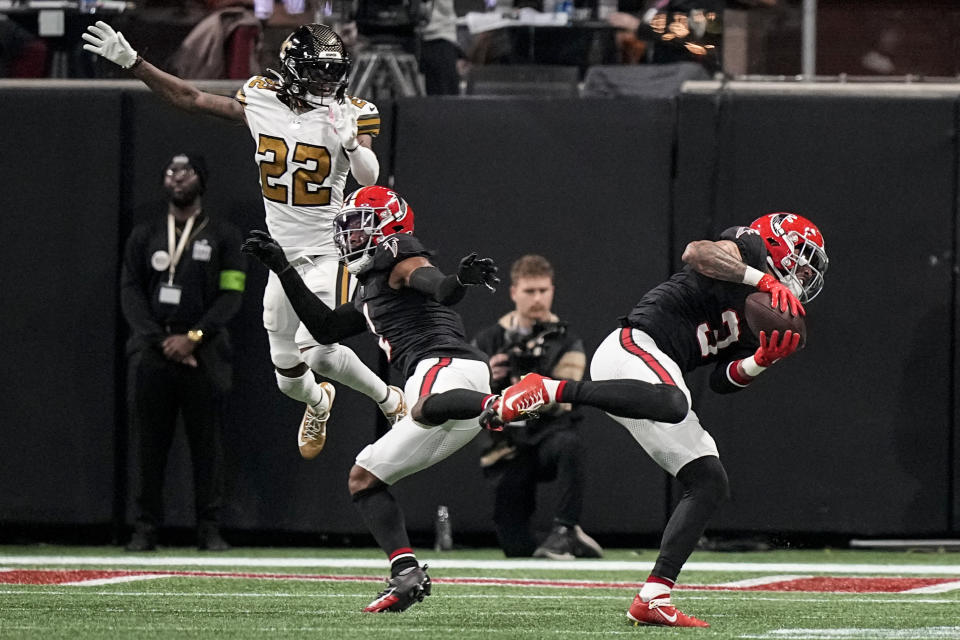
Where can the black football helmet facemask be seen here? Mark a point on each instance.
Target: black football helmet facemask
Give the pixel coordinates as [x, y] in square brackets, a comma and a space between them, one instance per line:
[314, 66]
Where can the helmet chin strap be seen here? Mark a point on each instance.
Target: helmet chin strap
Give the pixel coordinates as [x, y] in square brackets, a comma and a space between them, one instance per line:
[788, 279]
[793, 283]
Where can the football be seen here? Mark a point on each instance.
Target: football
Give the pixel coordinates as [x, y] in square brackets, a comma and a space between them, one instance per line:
[762, 317]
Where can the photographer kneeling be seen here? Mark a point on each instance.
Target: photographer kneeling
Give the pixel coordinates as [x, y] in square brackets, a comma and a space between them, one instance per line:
[532, 339]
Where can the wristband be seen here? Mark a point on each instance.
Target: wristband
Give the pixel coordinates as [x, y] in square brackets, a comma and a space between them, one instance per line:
[135, 64]
[351, 150]
[752, 276]
[751, 368]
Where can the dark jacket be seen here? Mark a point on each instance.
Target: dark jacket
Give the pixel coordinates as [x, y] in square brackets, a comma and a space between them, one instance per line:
[211, 275]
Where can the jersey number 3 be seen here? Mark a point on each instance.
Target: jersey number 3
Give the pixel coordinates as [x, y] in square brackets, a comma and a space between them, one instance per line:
[314, 167]
[710, 339]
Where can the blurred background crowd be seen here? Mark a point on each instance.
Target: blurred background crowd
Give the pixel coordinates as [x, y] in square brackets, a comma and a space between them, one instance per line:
[459, 44]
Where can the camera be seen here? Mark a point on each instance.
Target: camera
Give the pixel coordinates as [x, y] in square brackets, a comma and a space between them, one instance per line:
[526, 351]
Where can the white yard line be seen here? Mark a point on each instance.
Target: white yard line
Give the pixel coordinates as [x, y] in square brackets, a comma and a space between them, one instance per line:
[871, 634]
[101, 581]
[450, 563]
[759, 582]
[573, 595]
[936, 588]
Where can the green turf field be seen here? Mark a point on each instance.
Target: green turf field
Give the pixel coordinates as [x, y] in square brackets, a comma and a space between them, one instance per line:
[103, 592]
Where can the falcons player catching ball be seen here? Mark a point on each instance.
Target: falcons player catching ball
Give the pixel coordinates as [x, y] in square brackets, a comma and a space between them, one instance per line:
[691, 320]
[309, 136]
[404, 301]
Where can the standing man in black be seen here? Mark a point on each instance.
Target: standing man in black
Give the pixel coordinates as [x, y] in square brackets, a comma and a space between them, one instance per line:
[404, 300]
[546, 448]
[183, 279]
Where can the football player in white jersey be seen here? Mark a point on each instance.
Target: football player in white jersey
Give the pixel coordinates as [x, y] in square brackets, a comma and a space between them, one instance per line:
[309, 135]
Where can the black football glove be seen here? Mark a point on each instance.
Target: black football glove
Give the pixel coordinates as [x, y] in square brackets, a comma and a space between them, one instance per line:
[474, 271]
[265, 249]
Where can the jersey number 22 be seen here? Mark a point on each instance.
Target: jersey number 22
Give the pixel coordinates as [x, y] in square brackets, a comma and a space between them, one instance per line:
[313, 164]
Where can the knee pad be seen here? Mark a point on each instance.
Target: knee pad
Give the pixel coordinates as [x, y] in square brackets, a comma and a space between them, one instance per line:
[324, 358]
[283, 352]
[707, 478]
[675, 404]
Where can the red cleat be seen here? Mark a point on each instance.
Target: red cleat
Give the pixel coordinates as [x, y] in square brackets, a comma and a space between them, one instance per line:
[523, 399]
[660, 612]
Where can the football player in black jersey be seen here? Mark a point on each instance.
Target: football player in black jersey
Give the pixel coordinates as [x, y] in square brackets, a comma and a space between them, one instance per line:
[693, 319]
[404, 300]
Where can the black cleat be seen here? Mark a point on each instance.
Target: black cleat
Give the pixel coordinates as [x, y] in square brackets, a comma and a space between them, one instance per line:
[410, 586]
[490, 418]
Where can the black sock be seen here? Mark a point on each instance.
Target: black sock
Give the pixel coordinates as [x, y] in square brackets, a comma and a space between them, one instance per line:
[402, 560]
[628, 398]
[456, 404]
[704, 488]
[384, 520]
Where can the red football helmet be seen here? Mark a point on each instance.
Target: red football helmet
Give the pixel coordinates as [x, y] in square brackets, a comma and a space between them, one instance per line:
[367, 216]
[795, 252]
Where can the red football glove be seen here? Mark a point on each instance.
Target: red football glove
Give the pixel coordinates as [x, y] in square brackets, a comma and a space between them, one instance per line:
[776, 348]
[780, 295]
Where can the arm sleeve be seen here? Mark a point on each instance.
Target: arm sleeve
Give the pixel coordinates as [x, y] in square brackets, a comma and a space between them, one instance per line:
[724, 377]
[232, 280]
[326, 325]
[364, 165]
[133, 290]
[430, 281]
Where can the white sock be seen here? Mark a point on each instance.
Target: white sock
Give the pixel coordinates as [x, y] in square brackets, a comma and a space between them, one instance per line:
[552, 386]
[391, 403]
[651, 590]
[303, 388]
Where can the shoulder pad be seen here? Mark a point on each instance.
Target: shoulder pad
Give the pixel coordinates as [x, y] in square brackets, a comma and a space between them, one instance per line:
[397, 248]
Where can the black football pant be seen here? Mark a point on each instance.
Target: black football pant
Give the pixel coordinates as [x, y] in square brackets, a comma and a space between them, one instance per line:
[163, 390]
[557, 457]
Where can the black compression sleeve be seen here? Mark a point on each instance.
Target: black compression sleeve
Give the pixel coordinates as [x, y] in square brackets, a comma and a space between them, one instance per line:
[719, 381]
[455, 404]
[446, 290]
[629, 398]
[324, 324]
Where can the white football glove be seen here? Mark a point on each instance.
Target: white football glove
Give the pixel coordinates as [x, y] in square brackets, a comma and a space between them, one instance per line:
[345, 124]
[110, 44]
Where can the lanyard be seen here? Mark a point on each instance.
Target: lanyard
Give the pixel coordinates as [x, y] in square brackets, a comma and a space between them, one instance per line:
[176, 252]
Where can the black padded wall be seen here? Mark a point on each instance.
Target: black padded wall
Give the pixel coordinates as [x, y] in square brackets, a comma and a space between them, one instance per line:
[851, 434]
[58, 324]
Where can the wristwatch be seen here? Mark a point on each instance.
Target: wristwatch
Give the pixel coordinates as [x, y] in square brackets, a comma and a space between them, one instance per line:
[195, 335]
